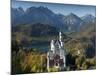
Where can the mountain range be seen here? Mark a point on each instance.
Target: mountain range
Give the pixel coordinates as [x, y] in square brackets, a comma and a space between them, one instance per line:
[35, 27]
[43, 15]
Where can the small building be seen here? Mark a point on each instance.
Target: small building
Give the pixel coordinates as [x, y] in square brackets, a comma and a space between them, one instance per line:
[56, 56]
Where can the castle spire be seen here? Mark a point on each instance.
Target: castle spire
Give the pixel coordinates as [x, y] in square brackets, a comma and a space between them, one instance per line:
[60, 36]
[60, 39]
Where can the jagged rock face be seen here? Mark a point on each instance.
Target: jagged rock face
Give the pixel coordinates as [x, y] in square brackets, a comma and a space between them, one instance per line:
[43, 15]
[72, 21]
[38, 15]
[89, 18]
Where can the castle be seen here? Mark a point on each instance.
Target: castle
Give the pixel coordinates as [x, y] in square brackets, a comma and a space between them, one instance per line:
[56, 56]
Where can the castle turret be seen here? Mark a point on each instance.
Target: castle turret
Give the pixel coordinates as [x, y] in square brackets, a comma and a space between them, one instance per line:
[52, 46]
[60, 39]
[60, 36]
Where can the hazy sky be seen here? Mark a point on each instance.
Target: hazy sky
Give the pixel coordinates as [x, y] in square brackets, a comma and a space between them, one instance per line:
[65, 9]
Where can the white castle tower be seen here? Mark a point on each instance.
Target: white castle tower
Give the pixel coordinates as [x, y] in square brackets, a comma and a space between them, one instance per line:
[60, 39]
[56, 56]
[62, 51]
[52, 46]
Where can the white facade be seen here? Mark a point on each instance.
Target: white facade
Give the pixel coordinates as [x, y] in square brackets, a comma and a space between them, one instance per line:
[56, 56]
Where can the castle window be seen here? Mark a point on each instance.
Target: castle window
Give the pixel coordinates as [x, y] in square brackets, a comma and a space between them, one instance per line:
[51, 63]
[61, 62]
[56, 64]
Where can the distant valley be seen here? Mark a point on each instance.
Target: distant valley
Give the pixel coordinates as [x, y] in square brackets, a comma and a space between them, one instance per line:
[39, 25]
